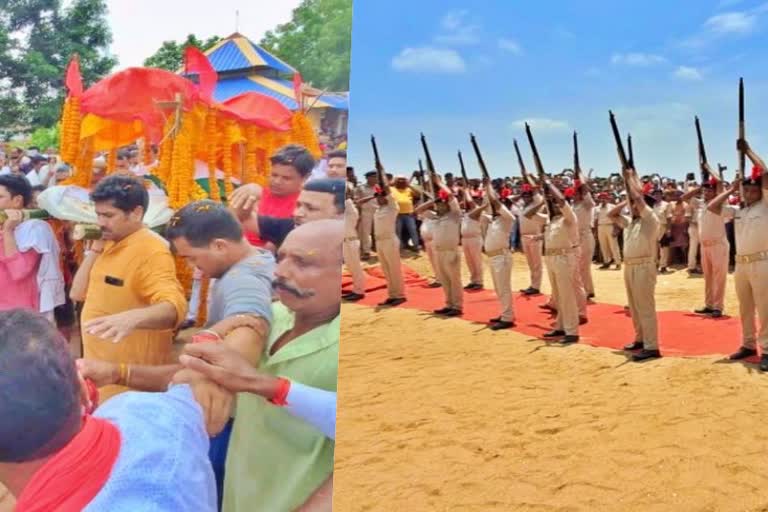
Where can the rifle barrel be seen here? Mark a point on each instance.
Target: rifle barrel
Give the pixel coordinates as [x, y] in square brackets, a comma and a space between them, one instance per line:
[619, 143]
[742, 156]
[536, 159]
[576, 164]
[519, 157]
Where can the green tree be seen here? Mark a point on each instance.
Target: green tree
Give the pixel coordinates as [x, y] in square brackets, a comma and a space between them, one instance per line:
[170, 56]
[45, 138]
[317, 42]
[37, 40]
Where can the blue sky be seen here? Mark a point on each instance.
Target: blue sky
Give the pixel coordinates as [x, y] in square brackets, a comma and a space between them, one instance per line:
[449, 68]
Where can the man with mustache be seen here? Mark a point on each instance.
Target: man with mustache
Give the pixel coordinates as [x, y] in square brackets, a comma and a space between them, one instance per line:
[309, 271]
[277, 461]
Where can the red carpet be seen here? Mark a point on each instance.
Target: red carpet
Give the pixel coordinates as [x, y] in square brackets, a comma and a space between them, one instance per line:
[680, 333]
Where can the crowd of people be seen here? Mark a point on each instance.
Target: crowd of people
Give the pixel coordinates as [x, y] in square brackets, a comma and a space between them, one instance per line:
[242, 417]
[568, 222]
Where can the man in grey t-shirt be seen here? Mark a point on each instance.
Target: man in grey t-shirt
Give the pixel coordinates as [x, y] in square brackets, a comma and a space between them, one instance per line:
[240, 308]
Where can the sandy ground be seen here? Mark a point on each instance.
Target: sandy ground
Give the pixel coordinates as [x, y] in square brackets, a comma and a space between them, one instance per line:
[440, 415]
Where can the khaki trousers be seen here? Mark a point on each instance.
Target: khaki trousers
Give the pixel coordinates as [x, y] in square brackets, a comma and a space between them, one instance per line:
[449, 274]
[388, 251]
[431, 255]
[640, 282]
[351, 250]
[663, 251]
[609, 244]
[585, 261]
[473, 255]
[752, 291]
[714, 263]
[365, 230]
[501, 272]
[693, 247]
[563, 275]
[533, 254]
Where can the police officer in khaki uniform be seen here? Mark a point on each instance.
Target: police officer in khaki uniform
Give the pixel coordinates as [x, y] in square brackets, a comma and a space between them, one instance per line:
[640, 238]
[472, 240]
[351, 248]
[562, 265]
[609, 243]
[751, 276]
[445, 239]
[532, 222]
[387, 243]
[500, 259]
[715, 249]
[584, 208]
[367, 209]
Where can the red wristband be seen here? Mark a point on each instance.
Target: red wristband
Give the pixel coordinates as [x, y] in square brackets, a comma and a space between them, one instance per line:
[283, 387]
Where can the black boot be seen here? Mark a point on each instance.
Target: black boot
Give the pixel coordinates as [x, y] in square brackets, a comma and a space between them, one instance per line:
[742, 353]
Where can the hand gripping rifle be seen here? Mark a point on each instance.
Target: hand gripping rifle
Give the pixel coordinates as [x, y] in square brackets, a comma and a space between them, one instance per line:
[539, 170]
[430, 168]
[464, 177]
[379, 168]
[742, 156]
[702, 153]
[483, 170]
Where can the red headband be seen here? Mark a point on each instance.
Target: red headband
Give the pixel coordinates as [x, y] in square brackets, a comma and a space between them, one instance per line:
[443, 195]
[647, 188]
[569, 192]
[527, 188]
[757, 172]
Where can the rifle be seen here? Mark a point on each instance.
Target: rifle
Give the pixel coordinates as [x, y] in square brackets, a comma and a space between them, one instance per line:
[430, 167]
[576, 164]
[631, 154]
[702, 152]
[539, 169]
[625, 164]
[379, 167]
[483, 170]
[428, 185]
[742, 156]
[464, 177]
[523, 170]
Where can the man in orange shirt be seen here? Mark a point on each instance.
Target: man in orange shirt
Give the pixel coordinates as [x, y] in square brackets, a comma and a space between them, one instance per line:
[133, 301]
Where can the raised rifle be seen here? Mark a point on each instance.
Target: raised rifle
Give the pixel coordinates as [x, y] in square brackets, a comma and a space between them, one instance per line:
[379, 167]
[631, 153]
[483, 169]
[430, 168]
[429, 186]
[464, 177]
[576, 163]
[625, 164]
[702, 153]
[539, 170]
[742, 156]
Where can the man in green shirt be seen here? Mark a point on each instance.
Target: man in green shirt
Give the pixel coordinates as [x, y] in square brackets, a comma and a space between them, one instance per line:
[276, 461]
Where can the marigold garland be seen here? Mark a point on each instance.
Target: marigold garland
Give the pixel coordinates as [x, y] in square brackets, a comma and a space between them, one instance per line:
[202, 308]
[226, 158]
[69, 130]
[212, 143]
[112, 161]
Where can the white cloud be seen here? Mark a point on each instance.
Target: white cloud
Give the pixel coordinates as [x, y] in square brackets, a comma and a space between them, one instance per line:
[429, 59]
[688, 73]
[510, 46]
[457, 30]
[637, 59]
[732, 23]
[542, 124]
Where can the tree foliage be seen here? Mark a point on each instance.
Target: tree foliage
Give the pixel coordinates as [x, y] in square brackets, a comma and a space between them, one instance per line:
[317, 42]
[170, 56]
[45, 138]
[37, 39]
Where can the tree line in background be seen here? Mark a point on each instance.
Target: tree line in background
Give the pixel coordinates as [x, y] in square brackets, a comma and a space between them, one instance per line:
[37, 38]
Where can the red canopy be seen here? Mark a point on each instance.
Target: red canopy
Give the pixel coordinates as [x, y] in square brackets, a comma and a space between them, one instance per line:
[134, 94]
[259, 109]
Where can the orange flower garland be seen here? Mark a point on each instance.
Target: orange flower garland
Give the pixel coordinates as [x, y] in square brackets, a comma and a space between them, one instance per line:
[184, 274]
[226, 159]
[212, 142]
[303, 133]
[112, 161]
[202, 308]
[70, 129]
